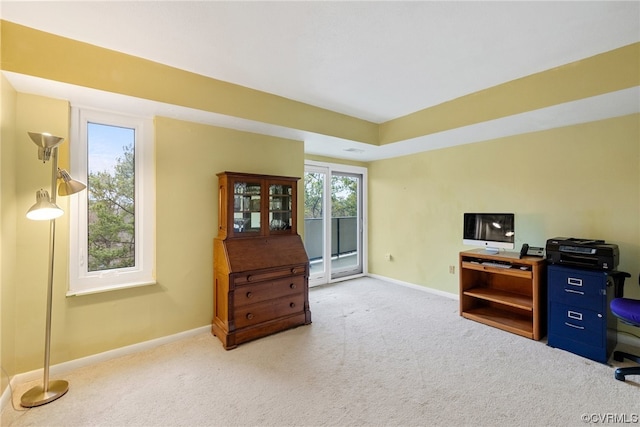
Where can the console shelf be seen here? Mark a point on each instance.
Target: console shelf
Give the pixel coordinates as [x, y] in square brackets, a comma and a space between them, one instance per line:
[502, 319]
[511, 298]
[501, 297]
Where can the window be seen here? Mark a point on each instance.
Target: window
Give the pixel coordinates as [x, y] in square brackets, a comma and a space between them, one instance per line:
[113, 221]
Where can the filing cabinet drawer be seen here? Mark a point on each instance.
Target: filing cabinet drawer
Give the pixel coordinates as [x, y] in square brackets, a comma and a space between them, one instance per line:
[577, 324]
[579, 312]
[594, 352]
[577, 287]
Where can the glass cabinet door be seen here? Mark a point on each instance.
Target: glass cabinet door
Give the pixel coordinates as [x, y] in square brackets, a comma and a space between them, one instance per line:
[280, 207]
[246, 207]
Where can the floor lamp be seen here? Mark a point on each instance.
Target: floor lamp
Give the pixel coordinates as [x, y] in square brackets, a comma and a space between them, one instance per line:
[44, 209]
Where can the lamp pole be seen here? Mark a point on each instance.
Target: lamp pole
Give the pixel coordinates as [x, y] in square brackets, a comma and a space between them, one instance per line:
[50, 390]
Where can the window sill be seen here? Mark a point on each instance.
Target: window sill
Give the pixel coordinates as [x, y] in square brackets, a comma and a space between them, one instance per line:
[96, 290]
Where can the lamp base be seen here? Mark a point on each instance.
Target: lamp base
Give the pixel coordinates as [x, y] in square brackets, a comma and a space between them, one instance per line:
[37, 396]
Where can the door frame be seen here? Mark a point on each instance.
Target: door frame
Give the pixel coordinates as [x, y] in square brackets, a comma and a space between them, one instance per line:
[330, 169]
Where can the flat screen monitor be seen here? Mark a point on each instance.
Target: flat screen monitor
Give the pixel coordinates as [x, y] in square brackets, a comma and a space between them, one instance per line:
[492, 231]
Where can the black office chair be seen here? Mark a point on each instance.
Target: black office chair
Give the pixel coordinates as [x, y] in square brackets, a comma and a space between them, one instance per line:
[628, 311]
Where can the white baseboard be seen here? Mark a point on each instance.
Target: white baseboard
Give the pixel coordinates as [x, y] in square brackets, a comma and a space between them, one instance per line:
[5, 399]
[623, 338]
[414, 286]
[64, 367]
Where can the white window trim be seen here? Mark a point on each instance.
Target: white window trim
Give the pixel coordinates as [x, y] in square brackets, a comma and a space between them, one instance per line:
[82, 282]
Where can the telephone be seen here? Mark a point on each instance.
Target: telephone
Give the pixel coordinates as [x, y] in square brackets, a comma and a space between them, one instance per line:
[531, 250]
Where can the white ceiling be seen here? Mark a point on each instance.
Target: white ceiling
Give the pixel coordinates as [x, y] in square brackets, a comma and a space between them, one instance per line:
[372, 60]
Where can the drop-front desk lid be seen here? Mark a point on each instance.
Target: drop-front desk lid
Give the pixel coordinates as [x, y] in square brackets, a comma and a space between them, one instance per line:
[268, 252]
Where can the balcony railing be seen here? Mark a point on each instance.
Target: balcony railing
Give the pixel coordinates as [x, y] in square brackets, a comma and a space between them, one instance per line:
[344, 236]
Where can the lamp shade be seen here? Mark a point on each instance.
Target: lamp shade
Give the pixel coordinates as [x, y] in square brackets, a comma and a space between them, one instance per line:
[68, 185]
[43, 208]
[45, 142]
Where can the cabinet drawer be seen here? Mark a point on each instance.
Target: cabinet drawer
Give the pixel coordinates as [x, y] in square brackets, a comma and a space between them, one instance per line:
[271, 289]
[254, 314]
[577, 287]
[259, 276]
[578, 324]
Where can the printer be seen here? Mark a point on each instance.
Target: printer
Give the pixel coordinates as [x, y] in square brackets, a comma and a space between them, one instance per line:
[583, 253]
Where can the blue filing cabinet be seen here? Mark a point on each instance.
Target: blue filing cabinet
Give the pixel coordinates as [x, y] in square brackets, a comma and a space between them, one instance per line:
[578, 309]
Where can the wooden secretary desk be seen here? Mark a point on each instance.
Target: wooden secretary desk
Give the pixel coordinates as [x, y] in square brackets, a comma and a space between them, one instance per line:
[260, 266]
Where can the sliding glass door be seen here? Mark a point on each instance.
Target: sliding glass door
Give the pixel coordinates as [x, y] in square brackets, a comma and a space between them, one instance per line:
[346, 230]
[315, 188]
[334, 221]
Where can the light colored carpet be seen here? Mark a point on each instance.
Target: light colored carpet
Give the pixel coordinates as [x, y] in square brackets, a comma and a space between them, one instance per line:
[376, 354]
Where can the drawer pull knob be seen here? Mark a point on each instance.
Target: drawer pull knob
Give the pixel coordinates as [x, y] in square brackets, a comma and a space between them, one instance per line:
[249, 316]
[574, 326]
[249, 294]
[574, 291]
[292, 305]
[292, 286]
[294, 270]
[249, 278]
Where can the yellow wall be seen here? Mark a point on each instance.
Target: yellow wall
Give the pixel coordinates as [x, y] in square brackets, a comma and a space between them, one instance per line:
[415, 202]
[576, 181]
[188, 156]
[335, 161]
[34, 113]
[607, 72]
[24, 50]
[7, 230]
